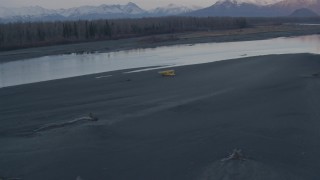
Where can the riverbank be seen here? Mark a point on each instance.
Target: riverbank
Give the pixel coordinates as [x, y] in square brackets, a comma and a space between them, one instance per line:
[256, 33]
[158, 128]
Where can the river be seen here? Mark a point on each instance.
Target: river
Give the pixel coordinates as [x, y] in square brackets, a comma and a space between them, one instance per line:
[64, 66]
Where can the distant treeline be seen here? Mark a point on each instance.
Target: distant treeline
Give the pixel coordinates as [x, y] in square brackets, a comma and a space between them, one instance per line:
[281, 20]
[22, 35]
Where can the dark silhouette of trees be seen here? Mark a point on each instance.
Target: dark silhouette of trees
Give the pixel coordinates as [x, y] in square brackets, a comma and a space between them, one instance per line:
[23, 35]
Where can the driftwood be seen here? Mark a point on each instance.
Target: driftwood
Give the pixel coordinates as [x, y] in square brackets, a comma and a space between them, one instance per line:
[235, 155]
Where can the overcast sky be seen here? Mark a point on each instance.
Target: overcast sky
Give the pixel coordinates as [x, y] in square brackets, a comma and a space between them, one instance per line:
[147, 4]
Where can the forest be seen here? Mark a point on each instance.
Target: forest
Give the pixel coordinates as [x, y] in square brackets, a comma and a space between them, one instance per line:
[33, 34]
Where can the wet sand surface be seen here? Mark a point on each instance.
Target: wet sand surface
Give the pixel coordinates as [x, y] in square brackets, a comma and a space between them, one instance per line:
[176, 128]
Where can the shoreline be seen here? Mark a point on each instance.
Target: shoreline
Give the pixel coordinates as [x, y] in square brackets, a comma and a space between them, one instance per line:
[181, 128]
[248, 34]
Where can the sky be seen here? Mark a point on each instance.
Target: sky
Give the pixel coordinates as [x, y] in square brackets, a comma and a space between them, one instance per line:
[146, 4]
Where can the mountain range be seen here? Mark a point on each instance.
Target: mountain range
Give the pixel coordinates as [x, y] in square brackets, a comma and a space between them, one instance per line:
[130, 10]
[37, 13]
[250, 8]
[243, 8]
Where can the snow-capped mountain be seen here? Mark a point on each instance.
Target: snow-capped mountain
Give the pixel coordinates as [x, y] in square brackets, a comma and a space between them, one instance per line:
[292, 5]
[244, 8]
[231, 8]
[257, 8]
[36, 13]
[25, 11]
[260, 2]
[172, 9]
[129, 8]
[25, 14]
[255, 2]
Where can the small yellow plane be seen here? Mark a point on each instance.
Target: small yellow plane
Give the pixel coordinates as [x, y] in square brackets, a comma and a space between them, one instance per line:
[168, 73]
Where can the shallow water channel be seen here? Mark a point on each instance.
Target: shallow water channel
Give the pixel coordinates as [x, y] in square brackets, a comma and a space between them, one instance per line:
[63, 66]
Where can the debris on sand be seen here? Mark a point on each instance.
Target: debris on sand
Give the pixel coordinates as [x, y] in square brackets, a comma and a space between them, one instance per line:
[90, 117]
[235, 155]
[93, 117]
[238, 167]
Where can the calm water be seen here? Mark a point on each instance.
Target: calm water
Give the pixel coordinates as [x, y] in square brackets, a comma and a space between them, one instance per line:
[63, 66]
